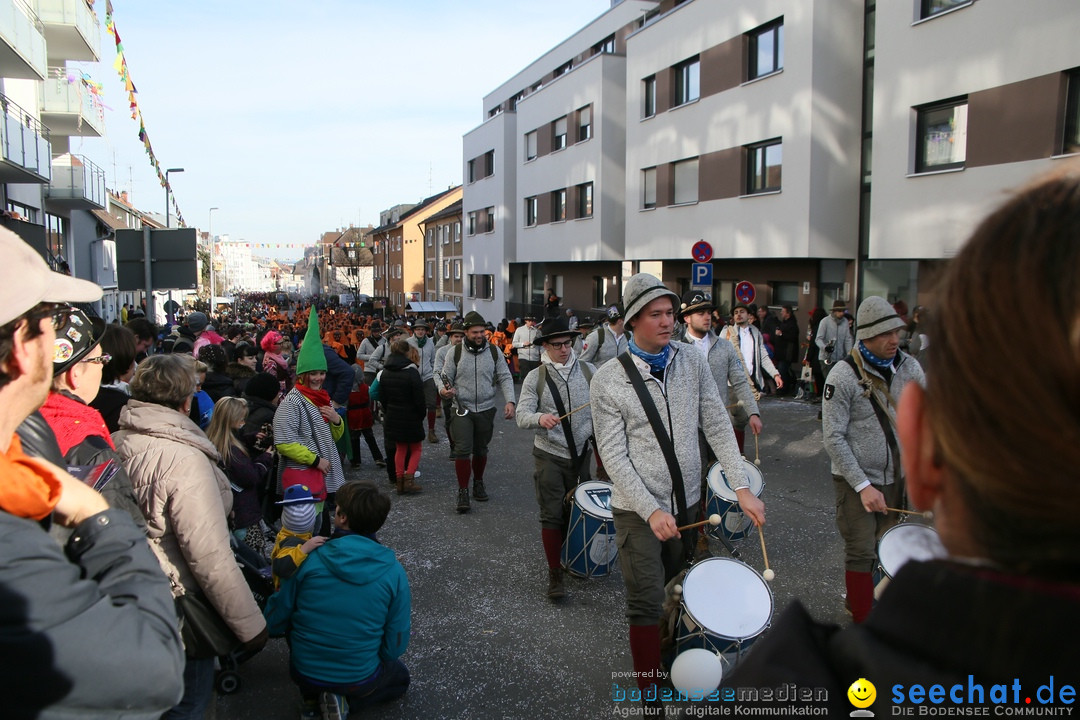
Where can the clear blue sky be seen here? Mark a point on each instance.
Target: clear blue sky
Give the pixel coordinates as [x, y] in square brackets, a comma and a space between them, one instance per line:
[298, 117]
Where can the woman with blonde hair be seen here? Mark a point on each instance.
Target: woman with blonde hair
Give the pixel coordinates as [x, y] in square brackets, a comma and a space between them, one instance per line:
[246, 474]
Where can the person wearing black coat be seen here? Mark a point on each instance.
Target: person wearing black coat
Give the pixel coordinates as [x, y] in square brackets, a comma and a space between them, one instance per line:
[262, 396]
[402, 394]
[216, 384]
[786, 344]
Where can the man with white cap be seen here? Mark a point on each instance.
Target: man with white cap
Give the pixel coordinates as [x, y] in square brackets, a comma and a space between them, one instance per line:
[89, 628]
[652, 495]
[859, 430]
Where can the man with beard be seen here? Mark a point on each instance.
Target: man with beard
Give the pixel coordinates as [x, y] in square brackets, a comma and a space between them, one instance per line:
[751, 348]
[473, 369]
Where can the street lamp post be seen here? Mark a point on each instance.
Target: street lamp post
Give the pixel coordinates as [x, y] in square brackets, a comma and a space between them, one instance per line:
[170, 170]
[213, 248]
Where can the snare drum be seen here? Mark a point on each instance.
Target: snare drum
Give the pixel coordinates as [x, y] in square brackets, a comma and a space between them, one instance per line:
[726, 605]
[907, 541]
[589, 549]
[721, 500]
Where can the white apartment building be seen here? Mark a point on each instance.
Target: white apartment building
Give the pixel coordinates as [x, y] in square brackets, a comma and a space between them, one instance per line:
[825, 149]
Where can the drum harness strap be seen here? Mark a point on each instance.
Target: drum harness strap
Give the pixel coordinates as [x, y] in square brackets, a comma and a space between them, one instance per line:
[664, 440]
[545, 381]
[868, 382]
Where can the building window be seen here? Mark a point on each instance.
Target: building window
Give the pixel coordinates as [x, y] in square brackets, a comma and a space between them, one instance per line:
[763, 165]
[430, 268]
[430, 236]
[530, 146]
[559, 137]
[446, 269]
[472, 223]
[1071, 143]
[471, 172]
[584, 125]
[563, 69]
[446, 234]
[584, 200]
[936, 7]
[531, 207]
[648, 97]
[607, 45]
[941, 132]
[686, 181]
[489, 223]
[648, 184]
[687, 82]
[489, 163]
[766, 49]
[457, 269]
[457, 232]
[558, 205]
[482, 287]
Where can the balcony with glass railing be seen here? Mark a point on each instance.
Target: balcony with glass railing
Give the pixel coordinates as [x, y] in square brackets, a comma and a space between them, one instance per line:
[25, 150]
[76, 183]
[71, 29]
[70, 106]
[22, 42]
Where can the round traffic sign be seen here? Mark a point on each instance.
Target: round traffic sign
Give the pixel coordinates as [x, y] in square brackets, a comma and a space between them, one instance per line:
[745, 292]
[701, 252]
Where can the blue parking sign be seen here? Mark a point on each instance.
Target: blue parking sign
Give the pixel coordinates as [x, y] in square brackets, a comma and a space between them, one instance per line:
[701, 275]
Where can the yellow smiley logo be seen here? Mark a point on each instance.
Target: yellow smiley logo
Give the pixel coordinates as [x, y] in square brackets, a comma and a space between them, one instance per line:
[862, 693]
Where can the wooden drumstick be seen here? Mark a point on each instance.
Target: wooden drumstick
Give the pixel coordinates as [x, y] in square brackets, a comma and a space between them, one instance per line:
[768, 574]
[580, 407]
[928, 515]
[757, 456]
[713, 519]
[735, 405]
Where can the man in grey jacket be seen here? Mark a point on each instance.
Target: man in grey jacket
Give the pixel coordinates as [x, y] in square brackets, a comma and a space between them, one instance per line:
[87, 629]
[606, 341]
[644, 497]
[558, 465]
[859, 430]
[473, 369]
[834, 336]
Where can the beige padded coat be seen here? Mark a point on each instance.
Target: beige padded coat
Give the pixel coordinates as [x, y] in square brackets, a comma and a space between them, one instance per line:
[186, 498]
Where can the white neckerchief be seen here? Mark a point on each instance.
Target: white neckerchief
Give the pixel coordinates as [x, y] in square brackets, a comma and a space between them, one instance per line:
[563, 370]
[703, 344]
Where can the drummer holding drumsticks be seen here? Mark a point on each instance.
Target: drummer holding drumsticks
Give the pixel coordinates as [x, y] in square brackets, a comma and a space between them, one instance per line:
[560, 379]
[646, 494]
[859, 430]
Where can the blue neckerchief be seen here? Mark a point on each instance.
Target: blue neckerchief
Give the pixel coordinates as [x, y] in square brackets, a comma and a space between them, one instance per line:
[873, 359]
[657, 362]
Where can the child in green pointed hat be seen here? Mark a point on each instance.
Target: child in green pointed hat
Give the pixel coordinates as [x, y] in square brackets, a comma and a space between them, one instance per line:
[307, 446]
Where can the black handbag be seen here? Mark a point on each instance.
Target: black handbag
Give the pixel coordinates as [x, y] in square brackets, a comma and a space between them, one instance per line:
[204, 632]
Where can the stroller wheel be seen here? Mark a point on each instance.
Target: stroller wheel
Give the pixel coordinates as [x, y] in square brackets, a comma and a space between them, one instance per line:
[227, 682]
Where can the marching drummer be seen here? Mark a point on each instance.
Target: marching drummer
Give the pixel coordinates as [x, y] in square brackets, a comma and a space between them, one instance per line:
[555, 402]
[859, 431]
[695, 313]
[653, 496]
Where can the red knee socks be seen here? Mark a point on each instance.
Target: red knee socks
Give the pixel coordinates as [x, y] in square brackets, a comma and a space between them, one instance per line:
[645, 651]
[463, 469]
[552, 540]
[431, 421]
[478, 465]
[860, 594]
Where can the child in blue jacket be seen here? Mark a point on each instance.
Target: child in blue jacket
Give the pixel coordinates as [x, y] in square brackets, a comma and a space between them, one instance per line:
[351, 595]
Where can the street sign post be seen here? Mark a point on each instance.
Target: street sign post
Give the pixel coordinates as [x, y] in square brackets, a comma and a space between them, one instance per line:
[156, 258]
[745, 292]
[701, 252]
[701, 275]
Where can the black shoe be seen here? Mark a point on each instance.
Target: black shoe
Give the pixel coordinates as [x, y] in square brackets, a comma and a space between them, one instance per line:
[478, 491]
[354, 464]
[380, 463]
[463, 500]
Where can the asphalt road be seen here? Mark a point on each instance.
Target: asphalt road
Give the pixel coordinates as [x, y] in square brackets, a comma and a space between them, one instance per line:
[487, 643]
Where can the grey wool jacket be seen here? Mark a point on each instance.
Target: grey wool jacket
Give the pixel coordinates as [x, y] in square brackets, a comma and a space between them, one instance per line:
[851, 431]
[687, 402]
[728, 372]
[574, 391]
[475, 376]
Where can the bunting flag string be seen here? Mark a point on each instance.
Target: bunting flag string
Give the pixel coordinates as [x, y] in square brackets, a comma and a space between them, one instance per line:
[121, 68]
[285, 245]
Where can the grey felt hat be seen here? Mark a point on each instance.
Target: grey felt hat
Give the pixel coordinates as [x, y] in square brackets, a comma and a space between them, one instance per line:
[641, 290]
[876, 316]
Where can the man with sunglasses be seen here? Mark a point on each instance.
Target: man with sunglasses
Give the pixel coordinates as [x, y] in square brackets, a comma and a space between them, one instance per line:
[88, 627]
[559, 385]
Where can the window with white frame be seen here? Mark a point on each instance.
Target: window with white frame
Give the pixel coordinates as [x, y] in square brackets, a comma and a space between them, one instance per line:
[457, 232]
[941, 134]
[446, 269]
[457, 269]
[648, 97]
[531, 211]
[648, 188]
[430, 236]
[764, 166]
[584, 116]
[766, 49]
[430, 268]
[685, 176]
[530, 146]
[687, 81]
[559, 134]
[444, 230]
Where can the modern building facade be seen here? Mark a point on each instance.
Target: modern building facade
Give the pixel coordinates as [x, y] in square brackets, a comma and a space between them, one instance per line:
[824, 149]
